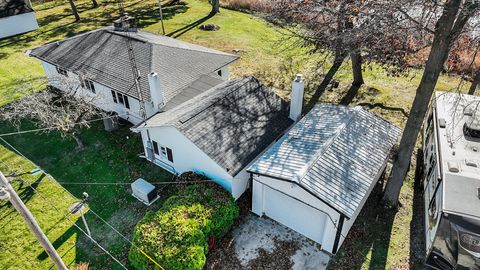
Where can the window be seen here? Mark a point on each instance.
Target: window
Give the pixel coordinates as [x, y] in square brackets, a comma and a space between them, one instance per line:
[114, 96]
[155, 147]
[167, 153]
[162, 151]
[62, 71]
[120, 98]
[219, 72]
[88, 85]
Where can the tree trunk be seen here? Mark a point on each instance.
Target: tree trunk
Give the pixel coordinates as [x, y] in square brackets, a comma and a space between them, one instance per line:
[79, 140]
[74, 10]
[94, 3]
[215, 7]
[357, 68]
[474, 85]
[447, 29]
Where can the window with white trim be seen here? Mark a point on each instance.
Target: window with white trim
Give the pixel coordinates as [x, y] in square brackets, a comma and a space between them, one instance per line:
[163, 151]
[62, 71]
[87, 84]
[121, 99]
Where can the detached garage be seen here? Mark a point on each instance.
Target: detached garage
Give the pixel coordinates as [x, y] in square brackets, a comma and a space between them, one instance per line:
[316, 178]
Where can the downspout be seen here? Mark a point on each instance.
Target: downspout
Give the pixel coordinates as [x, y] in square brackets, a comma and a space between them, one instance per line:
[339, 234]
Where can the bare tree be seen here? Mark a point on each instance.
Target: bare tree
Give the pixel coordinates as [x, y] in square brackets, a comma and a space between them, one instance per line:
[473, 87]
[454, 16]
[328, 26]
[74, 10]
[66, 111]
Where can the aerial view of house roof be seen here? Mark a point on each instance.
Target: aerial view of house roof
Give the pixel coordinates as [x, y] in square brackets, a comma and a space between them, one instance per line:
[334, 152]
[14, 7]
[232, 122]
[102, 56]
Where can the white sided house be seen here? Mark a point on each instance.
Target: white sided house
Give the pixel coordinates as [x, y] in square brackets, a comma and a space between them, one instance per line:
[316, 178]
[217, 133]
[16, 17]
[170, 71]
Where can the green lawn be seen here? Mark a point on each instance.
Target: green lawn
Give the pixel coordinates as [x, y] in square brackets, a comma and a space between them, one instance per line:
[112, 157]
[107, 158]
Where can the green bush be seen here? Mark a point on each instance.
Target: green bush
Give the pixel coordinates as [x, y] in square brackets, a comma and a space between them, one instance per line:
[177, 235]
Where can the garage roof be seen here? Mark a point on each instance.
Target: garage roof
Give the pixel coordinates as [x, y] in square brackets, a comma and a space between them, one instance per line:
[334, 152]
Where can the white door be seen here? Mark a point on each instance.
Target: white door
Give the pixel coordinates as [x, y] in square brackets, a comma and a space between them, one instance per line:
[294, 214]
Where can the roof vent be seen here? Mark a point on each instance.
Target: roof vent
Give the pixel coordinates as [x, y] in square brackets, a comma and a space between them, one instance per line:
[471, 163]
[453, 167]
[442, 123]
[125, 24]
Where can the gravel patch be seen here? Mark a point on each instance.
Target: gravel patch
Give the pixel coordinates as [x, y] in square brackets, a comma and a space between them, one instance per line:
[261, 243]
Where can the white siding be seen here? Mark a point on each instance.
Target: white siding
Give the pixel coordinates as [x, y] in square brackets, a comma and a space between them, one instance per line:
[17, 24]
[225, 71]
[305, 214]
[104, 100]
[186, 155]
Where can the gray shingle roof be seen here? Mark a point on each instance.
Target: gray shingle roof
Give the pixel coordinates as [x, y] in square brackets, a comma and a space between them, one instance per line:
[102, 56]
[334, 152]
[232, 123]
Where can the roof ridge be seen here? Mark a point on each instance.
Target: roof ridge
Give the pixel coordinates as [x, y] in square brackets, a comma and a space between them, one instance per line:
[301, 175]
[190, 49]
[171, 114]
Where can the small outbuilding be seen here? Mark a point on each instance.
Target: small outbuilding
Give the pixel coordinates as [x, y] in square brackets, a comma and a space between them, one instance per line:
[16, 17]
[316, 178]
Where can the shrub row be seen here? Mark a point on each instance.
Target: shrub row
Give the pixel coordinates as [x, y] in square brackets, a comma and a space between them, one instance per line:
[177, 235]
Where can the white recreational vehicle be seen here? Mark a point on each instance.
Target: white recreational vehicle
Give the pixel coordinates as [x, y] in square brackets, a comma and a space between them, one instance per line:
[451, 153]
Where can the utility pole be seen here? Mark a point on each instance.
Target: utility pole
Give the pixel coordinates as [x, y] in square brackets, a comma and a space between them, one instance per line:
[7, 192]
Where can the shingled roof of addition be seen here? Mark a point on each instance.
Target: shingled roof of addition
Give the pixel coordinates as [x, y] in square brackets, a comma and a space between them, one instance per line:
[232, 123]
[102, 56]
[334, 152]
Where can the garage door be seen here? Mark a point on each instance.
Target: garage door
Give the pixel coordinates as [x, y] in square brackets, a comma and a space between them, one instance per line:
[294, 214]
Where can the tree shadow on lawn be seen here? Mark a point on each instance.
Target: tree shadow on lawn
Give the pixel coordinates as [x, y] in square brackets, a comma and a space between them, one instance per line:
[179, 32]
[417, 225]
[110, 157]
[146, 15]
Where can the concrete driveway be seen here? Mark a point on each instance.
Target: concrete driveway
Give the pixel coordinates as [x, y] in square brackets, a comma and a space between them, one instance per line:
[261, 243]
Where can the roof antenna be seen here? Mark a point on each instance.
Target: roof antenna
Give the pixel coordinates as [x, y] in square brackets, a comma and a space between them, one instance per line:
[128, 23]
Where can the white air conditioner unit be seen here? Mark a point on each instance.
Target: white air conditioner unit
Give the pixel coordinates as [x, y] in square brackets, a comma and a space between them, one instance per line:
[144, 191]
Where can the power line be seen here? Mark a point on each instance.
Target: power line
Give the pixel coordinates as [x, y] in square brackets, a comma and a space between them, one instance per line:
[7, 192]
[67, 217]
[124, 183]
[93, 240]
[49, 128]
[78, 227]
[128, 240]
